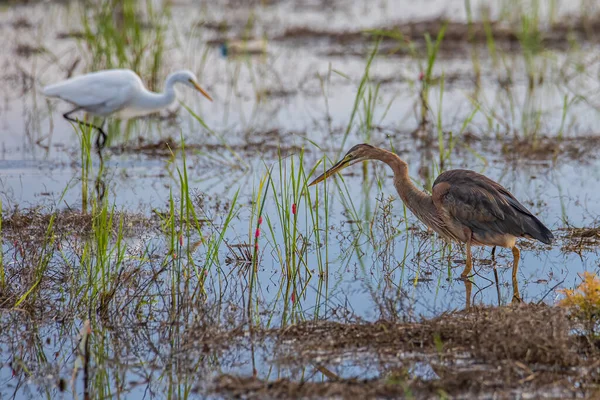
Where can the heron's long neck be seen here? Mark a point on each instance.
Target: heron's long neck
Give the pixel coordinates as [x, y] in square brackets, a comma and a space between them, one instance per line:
[152, 101]
[417, 201]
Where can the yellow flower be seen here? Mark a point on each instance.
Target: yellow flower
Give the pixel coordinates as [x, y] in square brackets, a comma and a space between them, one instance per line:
[584, 302]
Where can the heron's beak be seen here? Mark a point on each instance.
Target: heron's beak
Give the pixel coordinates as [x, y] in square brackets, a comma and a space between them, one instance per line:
[198, 88]
[345, 162]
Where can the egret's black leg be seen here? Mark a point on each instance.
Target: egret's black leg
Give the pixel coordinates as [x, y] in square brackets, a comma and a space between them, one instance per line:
[99, 143]
[100, 139]
[100, 189]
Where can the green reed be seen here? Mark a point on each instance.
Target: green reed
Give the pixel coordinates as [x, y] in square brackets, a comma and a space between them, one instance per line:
[489, 39]
[325, 84]
[432, 48]
[107, 254]
[258, 207]
[188, 228]
[318, 209]
[567, 104]
[362, 89]
[42, 258]
[474, 48]
[298, 228]
[287, 195]
[524, 115]
[447, 141]
[125, 34]
[116, 35]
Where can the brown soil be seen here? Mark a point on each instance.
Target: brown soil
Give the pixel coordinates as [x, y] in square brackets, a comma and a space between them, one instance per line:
[31, 225]
[262, 144]
[479, 353]
[530, 334]
[272, 144]
[580, 239]
[457, 34]
[27, 50]
[544, 148]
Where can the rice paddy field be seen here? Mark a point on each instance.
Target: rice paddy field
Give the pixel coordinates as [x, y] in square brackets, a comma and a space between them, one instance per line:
[194, 262]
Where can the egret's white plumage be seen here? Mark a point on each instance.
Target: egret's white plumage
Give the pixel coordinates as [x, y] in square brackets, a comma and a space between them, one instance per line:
[118, 92]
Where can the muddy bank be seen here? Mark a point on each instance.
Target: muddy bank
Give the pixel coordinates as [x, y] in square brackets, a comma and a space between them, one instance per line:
[398, 37]
[31, 226]
[273, 145]
[524, 350]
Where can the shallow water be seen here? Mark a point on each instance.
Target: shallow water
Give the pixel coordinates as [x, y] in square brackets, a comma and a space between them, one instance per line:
[300, 94]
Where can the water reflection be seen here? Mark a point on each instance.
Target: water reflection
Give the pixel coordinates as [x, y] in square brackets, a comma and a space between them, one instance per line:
[469, 297]
[100, 184]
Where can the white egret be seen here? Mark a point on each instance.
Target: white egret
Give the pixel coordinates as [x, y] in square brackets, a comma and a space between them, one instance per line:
[118, 92]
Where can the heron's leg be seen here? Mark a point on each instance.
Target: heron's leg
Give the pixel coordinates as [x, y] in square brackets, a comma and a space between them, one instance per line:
[101, 134]
[516, 256]
[468, 290]
[496, 274]
[469, 264]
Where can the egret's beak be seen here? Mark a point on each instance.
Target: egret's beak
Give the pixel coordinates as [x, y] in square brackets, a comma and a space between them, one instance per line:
[345, 162]
[198, 88]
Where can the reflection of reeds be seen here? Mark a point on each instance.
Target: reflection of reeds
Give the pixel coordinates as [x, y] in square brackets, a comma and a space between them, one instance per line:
[184, 228]
[85, 143]
[258, 207]
[82, 361]
[288, 201]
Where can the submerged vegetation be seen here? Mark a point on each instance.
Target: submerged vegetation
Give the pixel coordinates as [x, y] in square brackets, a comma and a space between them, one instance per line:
[194, 261]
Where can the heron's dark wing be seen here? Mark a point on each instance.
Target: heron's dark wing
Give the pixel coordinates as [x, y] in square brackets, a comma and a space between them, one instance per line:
[485, 207]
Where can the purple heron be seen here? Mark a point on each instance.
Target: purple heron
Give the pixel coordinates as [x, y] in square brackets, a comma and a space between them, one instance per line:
[464, 206]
